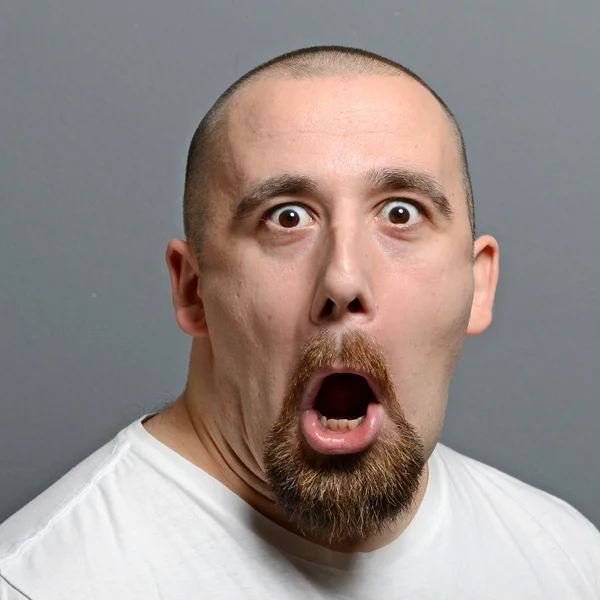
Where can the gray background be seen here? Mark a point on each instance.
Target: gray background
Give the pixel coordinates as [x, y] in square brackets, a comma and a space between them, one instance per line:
[98, 101]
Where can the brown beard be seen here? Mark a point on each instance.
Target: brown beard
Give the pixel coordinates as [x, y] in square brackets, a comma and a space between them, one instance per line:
[347, 497]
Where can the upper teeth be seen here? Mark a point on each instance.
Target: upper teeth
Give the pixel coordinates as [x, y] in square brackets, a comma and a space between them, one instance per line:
[340, 424]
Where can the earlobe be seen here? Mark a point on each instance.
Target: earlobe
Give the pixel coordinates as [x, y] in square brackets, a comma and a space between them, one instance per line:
[186, 288]
[485, 280]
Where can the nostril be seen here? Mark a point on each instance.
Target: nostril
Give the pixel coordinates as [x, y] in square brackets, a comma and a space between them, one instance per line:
[355, 306]
[328, 308]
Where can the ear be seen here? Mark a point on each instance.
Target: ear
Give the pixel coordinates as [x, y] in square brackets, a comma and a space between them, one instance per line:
[186, 288]
[485, 278]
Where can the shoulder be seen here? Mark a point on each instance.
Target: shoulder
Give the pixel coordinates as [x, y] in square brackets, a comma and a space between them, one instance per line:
[500, 487]
[9, 592]
[106, 524]
[553, 524]
[75, 491]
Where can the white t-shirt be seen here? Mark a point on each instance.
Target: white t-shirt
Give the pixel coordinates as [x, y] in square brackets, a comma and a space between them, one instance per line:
[136, 520]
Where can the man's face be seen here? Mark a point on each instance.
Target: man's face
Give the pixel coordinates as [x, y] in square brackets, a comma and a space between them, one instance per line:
[335, 245]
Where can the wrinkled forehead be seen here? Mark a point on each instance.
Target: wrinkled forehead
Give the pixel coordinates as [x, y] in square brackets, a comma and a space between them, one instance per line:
[334, 126]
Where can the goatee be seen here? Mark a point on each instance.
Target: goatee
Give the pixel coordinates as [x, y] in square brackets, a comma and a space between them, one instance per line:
[344, 497]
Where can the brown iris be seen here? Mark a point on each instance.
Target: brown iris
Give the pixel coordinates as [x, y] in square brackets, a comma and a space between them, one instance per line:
[399, 215]
[289, 218]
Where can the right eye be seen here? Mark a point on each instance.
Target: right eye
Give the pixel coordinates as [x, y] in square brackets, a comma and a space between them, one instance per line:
[289, 216]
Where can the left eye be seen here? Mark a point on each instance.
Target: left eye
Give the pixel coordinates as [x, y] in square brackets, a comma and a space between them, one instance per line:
[401, 212]
[289, 216]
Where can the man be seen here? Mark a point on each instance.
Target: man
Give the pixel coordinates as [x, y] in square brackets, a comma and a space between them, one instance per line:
[330, 274]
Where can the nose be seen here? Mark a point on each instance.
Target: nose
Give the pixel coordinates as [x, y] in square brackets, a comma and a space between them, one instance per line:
[344, 286]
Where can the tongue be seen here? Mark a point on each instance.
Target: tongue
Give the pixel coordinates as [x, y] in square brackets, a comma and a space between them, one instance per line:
[344, 396]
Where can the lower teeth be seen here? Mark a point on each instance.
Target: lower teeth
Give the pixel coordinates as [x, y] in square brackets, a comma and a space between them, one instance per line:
[340, 424]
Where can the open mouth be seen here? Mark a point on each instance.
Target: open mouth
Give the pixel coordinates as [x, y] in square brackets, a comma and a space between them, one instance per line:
[342, 401]
[341, 412]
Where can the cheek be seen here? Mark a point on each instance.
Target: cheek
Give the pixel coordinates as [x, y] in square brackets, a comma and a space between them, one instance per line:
[271, 298]
[255, 325]
[425, 328]
[241, 341]
[431, 300]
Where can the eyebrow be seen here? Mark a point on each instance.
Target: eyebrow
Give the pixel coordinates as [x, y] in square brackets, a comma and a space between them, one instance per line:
[280, 185]
[382, 179]
[395, 179]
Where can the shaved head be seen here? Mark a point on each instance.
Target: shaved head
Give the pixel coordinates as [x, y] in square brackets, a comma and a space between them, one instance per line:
[206, 163]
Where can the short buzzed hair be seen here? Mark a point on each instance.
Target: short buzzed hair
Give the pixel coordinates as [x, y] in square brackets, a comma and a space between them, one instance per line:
[205, 152]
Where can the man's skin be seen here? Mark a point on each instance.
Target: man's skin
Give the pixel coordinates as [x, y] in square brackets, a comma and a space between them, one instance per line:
[260, 290]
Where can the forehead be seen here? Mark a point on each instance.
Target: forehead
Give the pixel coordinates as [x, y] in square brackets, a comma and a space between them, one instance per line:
[339, 127]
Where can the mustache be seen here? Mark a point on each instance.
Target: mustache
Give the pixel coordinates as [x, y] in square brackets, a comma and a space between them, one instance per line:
[354, 350]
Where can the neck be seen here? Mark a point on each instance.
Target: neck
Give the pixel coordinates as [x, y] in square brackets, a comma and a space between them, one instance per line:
[184, 428]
